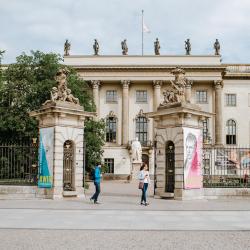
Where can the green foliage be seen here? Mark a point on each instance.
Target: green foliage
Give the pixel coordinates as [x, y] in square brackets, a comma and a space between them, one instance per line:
[27, 85]
[94, 143]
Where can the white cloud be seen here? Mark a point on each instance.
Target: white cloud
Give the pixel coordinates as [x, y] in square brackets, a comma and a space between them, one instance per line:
[45, 24]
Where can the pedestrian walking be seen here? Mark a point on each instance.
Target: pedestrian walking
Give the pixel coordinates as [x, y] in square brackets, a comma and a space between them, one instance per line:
[97, 182]
[144, 181]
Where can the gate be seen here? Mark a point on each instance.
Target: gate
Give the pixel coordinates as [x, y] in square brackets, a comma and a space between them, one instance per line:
[19, 162]
[170, 165]
[68, 166]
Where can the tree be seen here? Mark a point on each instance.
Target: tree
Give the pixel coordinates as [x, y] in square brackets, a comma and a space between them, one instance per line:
[27, 85]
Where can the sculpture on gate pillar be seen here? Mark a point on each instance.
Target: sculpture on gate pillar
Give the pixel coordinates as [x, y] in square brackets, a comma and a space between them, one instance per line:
[136, 151]
[62, 92]
[66, 48]
[124, 47]
[177, 91]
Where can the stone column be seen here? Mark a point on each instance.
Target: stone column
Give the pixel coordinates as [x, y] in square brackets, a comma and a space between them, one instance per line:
[125, 111]
[188, 90]
[157, 93]
[95, 85]
[218, 111]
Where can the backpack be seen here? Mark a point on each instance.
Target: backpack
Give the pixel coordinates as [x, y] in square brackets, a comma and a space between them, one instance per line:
[92, 174]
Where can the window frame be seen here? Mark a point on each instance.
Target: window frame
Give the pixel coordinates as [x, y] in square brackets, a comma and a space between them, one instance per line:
[107, 162]
[226, 99]
[144, 100]
[141, 129]
[112, 138]
[231, 137]
[114, 100]
[198, 101]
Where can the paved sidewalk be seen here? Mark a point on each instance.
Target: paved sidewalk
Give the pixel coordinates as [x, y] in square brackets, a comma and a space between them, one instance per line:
[120, 222]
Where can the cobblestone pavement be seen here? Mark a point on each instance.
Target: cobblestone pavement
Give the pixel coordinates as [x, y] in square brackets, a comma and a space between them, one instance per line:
[120, 222]
[117, 240]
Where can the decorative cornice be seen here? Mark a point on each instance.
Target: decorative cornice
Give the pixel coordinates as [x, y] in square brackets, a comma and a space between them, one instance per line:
[125, 83]
[218, 84]
[157, 83]
[111, 115]
[95, 83]
[141, 114]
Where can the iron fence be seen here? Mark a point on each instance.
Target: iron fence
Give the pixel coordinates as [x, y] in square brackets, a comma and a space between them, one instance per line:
[226, 167]
[18, 163]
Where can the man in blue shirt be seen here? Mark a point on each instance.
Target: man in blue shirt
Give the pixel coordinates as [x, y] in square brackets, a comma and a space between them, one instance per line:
[97, 181]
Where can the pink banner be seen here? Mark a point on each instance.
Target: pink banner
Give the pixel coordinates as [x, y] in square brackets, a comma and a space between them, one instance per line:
[192, 158]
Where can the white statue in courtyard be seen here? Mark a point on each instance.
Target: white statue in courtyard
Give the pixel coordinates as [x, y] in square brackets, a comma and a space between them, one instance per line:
[136, 151]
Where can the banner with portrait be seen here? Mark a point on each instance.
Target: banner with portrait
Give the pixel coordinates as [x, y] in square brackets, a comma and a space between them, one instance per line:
[46, 146]
[192, 158]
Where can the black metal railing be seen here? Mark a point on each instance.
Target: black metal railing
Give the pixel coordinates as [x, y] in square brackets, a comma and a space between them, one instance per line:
[226, 167]
[19, 162]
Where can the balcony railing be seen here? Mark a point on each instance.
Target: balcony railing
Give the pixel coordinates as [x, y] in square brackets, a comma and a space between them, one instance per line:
[144, 144]
[238, 69]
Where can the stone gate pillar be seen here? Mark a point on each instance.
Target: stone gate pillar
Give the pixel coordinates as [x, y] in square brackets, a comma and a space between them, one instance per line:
[61, 134]
[179, 143]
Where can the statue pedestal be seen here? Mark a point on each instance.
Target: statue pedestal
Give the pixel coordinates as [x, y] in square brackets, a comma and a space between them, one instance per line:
[61, 131]
[135, 170]
[179, 150]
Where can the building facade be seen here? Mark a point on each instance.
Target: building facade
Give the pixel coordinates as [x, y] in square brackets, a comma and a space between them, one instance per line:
[125, 88]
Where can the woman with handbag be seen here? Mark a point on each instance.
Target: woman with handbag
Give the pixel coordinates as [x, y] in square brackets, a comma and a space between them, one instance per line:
[144, 181]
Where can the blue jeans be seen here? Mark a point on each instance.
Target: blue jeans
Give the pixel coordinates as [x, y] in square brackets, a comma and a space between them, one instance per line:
[144, 193]
[97, 191]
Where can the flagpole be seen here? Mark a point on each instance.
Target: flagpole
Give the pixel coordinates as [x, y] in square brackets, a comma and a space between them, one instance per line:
[142, 33]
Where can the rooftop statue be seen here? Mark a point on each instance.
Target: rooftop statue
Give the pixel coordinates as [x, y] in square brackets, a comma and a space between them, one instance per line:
[62, 92]
[188, 47]
[177, 91]
[124, 47]
[96, 48]
[66, 48]
[217, 47]
[157, 47]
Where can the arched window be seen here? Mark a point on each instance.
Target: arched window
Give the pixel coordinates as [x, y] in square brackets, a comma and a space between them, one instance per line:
[231, 132]
[141, 130]
[111, 126]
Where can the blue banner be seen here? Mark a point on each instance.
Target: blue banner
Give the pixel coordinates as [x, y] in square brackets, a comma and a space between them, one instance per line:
[46, 143]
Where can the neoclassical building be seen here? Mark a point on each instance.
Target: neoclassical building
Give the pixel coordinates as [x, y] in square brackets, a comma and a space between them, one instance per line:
[125, 88]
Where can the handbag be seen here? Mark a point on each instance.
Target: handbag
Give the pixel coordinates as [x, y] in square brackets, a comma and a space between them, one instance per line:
[141, 184]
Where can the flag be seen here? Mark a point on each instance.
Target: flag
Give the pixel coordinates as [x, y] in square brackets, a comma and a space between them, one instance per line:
[145, 28]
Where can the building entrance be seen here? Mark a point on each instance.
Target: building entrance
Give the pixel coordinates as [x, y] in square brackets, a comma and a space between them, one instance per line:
[68, 167]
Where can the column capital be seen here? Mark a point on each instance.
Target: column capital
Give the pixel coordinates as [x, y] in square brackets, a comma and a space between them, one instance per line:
[218, 84]
[125, 83]
[157, 83]
[189, 83]
[95, 83]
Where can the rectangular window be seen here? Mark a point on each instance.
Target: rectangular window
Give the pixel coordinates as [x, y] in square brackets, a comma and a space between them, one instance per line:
[231, 139]
[109, 163]
[111, 129]
[231, 100]
[111, 96]
[141, 96]
[201, 96]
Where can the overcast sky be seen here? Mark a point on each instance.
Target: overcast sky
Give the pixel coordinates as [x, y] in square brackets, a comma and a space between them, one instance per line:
[45, 24]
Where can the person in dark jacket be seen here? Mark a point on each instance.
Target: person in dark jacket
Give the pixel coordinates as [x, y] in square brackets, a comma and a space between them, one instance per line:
[97, 181]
